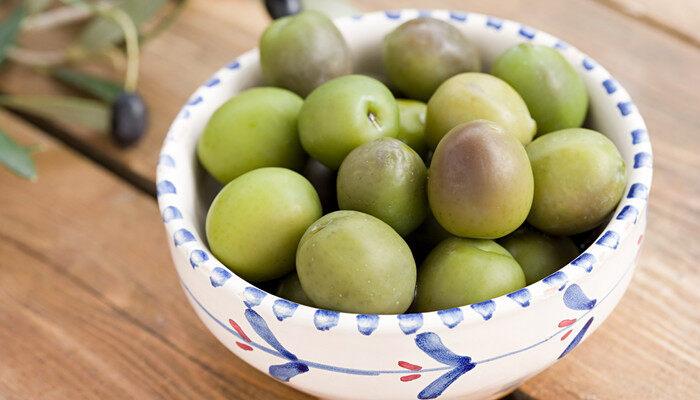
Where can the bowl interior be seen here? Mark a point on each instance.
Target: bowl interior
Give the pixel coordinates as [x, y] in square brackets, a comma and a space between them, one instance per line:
[611, 112]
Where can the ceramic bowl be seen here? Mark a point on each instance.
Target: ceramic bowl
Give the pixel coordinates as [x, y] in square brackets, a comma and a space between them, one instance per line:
[478, 351]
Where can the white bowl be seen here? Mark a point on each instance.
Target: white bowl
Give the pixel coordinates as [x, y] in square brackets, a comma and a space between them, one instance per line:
[477, 351]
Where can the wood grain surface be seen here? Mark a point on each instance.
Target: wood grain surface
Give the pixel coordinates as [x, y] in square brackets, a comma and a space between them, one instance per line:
[91, 307]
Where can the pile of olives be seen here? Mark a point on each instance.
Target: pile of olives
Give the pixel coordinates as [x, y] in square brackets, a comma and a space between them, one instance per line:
[335, 190]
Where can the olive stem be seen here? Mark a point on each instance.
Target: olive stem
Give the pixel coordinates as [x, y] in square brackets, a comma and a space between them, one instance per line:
[165, 21]
[131, 38]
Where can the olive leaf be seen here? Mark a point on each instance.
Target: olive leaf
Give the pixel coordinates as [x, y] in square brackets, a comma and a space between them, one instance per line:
[103, 32]
[100, 88]
[69, 110]
[16, 158]
[9, 29]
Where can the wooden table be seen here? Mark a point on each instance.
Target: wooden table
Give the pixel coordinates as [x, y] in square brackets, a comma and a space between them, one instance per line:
[90, 305]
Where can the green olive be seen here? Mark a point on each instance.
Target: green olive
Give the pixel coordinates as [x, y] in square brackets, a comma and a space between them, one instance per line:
[538, 254]
[471, 96]
[466, 271]
[422, 53]
[412, 124]
[480, 183]
[353, 262]
[579, 179]
[385, 178]
[345, 113]
[554, 93]
[254, 129]
[290, 288]
[300, 52]
[255, 223]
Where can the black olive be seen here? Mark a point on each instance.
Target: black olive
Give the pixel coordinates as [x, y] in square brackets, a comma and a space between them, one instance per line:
[282, 8]
[129, 118]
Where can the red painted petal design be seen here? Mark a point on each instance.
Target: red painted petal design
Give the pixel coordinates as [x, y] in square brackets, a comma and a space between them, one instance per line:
[566, 335]
[566, 322]
[244, 346]
[408, 378]
[409, 366]
[239, 330]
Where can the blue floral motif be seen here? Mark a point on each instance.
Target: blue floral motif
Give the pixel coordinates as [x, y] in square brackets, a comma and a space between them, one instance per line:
[639, 136]
[625, 108]
[283, 309]
[526, 32]
[393, 14]
[628, 212]
[575, 299]
[326, 319]
[521, 297]
[165, 187]
[219, 276]
[609, 239]
[253, 296]
[585, 261]
[195, 100]
[234, 65]
[485, 308]
[170, 213]
[587, 64]
[557, 279]
[638, 191]
[367, 323]
[577, 339]
[642, 159]
[610, 86]
[458, 16]
[283, 372]
[494, 23]
[182, 236]
[212, 82]
[431, 345]
[410, 323]
[197, 257]
[451, 317]
[166, 161]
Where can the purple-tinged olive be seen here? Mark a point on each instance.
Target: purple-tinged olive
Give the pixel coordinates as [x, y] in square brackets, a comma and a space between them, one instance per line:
[129, 119]
[480, 183]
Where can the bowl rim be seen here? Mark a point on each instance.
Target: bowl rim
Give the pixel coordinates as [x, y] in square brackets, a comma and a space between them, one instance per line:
[631, 208]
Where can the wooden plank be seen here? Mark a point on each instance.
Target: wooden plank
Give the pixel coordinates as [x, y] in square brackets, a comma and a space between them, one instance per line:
[680, 18]
[636, 354]
[88, 288]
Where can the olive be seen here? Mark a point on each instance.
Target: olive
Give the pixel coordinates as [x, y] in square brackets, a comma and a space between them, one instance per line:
[470, 96]
[353, 262]
[412, 124]
[465, 271]
[256, 128]
[538, 254]
[385, 178]
[129, 118]
[579, 179]
[324, 181]
[554, 93]
[300, 52]
[345, 113]
[290, 288]
[282, 8]
[480, 184]
[424, 52]
[255, 223]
